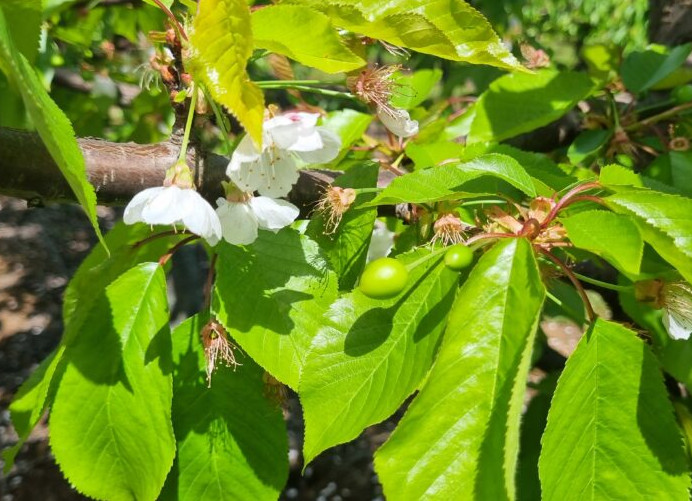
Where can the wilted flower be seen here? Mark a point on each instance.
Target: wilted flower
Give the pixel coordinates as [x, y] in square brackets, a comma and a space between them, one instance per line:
[217, 348]
[273, 170]
[449, 229]
[376, 86]
[535, 58]
[675, 299]
[175, 203]
[242, 215]
[333, 204]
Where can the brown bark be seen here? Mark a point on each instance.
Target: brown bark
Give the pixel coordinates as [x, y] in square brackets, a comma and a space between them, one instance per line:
[670, 21]
[119, 170]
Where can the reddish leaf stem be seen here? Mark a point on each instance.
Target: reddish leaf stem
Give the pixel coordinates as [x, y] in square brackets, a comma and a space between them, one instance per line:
[164, 259]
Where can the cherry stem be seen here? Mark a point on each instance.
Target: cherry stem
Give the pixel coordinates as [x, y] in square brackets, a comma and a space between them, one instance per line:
[565, 200]
[172, 17]
[657, 118]
[167, 256]
[156, 236]
[577, 285]
[483, 236]
[210, 281]
[585, 198]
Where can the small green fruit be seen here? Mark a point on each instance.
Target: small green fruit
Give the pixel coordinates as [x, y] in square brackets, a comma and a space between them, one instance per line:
[682, 94]
[383, 278]
[458, 257]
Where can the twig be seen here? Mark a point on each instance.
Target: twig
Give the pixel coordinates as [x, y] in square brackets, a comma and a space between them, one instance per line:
[577, 285]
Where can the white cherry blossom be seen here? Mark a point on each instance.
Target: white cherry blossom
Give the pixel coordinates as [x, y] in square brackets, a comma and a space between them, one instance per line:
[241, 220]
[175, 203]
[285, 139]
[398, 121]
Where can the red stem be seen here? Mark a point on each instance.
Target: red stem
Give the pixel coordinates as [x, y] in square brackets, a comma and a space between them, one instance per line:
[564, 200]
[210, 281]
[172, 17]
[164, 259]
[577, 285]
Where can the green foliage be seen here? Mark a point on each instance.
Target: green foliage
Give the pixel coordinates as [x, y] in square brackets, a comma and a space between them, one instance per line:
[372, 354]
[430, 26]
[50, 122]
[281, 29]
[231, 440]
[221, 45]
[520, 102]
[453, 180]
[611, 430]
[275, 303]
[111, 426]
[24, 17]
[643, 70]
[459, 436]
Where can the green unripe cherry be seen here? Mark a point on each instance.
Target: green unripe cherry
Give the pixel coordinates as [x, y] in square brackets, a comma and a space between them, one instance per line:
[458, 257]
[682, 94]
[383, 278]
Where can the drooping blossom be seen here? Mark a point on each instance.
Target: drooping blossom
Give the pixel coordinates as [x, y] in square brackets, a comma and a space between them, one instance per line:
[176, 203]
[675, 299]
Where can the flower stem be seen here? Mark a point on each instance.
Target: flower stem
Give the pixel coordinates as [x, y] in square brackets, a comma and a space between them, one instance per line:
[604, 285]
[657, 118]
[188, 125]
[362, 191]
[164, 259]
[285, 83]
[562, 305]
[306, 88]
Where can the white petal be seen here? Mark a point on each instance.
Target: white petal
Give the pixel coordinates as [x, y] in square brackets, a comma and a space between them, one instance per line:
[199, 217]
[381, 242]
[288, 130]
[331, 145]
[238, 222]
[164, 207]
[133, 211]
[677, 326]
[399, 123]
[273, 214]
[278, 178]
[245, 151]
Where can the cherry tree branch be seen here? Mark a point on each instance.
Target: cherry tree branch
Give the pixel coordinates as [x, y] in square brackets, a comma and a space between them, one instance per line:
[120, 170]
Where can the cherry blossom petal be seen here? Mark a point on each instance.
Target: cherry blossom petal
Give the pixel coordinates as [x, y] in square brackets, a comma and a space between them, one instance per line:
[678, 326]
[273, 214]
[290, 130]
[279, 176]
[199, 217]
[398, 122]
[331, 145]
[133, 211]
[239, 224]
[163, 207]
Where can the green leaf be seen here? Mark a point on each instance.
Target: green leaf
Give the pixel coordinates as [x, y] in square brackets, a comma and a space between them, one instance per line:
[111, 429]
[282, 29]
[221, 44]
[611, 432]
[448, 182]
[349, 125]
[413, 89]
[426, 155]
[100, 268]
[642, 70]
[231, 440]
[51, 123]
[459, 438]
[664, 220]
[271, 296]
[587, 145]
[372, 354]
[449, 29]
[31, 401]
[614, 237]
[347, 247]
[520, 102]
[24, 23]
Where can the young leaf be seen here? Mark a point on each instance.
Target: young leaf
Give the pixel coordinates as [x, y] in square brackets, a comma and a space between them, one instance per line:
[372, 354]
[231, 440]
[460, 436]
[51, 123]
[110, 426]
[520, 102]
[221, 44]
[665, 222]
[451, 29]
[447, 182]
[272, 296]
[282, 29]
[611, 432]
[347, 247]
[415, 88]
[614, 237]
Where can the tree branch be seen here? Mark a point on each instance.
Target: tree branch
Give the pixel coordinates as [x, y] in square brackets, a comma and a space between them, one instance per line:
[120, 170]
